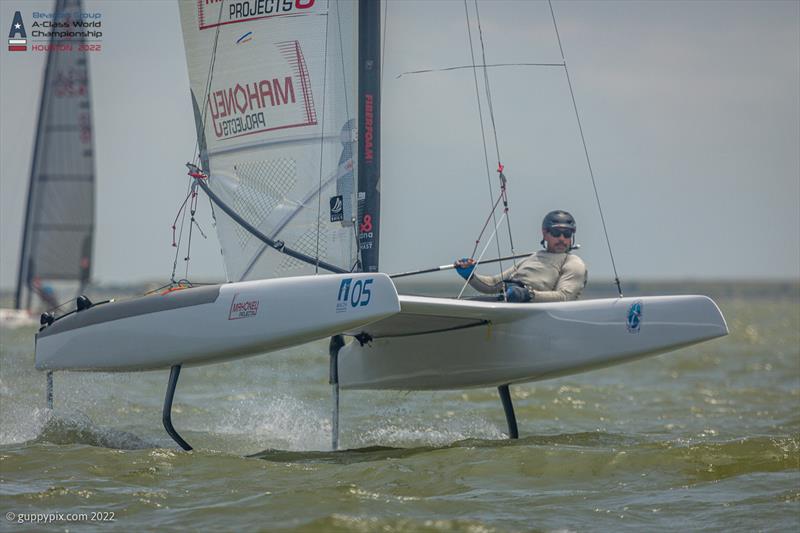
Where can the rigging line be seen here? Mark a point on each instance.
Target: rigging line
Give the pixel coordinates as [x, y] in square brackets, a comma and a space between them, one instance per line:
[341, 54]
[192, 223]
[483, 137]
[462, 67]
[322, 139]
[485, 224]
[195, 158]
[494, 129]
[207, 90]
[480, 257]
[191, 228]
[586, 153]
[383, 50]
[486, 82]
[180, 234]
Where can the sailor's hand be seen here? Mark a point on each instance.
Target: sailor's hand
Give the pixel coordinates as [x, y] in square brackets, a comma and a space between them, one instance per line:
[465, 266]
[518, 294]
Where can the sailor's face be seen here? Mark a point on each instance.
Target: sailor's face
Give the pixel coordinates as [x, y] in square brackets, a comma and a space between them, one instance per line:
[557, 241]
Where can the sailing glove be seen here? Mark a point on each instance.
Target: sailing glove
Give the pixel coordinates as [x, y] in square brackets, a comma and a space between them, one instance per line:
[464, 272]
[518, 294]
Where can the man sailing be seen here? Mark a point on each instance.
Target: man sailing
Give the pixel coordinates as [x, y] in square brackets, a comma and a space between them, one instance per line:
[550, 275]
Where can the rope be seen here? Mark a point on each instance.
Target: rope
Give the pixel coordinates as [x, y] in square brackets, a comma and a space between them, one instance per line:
[341, 53]
[481, 257]
[192, 189]
[494, 127]
[483, 139]
[461, 67]
[177, 245]
[486, 83]
[586, 152]
[322, 140]
[209, 78]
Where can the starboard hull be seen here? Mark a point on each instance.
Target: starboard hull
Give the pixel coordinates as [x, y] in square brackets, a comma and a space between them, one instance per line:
[515, 343]
[213, 324]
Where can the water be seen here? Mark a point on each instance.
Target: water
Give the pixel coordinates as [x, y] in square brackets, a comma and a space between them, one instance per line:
[707, 437]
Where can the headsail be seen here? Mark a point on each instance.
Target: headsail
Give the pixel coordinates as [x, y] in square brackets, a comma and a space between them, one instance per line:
[274, 86]
[59, 223]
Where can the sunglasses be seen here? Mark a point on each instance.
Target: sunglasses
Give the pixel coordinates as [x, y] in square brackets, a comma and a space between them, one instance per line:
[559, 232]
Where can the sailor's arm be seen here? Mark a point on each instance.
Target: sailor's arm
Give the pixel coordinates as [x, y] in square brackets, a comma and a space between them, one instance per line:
[570, 284]
[491, 284]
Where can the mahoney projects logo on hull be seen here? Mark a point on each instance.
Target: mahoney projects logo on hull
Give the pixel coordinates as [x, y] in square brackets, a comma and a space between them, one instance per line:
[60, 31]
[243, 307]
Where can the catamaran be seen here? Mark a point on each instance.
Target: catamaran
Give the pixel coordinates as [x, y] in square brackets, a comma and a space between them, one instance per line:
[58, 232]
[287, 104]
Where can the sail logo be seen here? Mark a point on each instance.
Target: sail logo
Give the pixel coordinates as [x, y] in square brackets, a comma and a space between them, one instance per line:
[17, 38]
[242, 308]
[211, 14]
[353, 294]
[634, 321]
[369, 128]
[337, 208]
[271, 103]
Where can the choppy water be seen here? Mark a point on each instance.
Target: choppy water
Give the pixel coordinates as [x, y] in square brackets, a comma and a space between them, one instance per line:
[707, 437]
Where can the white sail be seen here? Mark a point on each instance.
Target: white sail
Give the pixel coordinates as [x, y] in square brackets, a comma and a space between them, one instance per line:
[274, 90]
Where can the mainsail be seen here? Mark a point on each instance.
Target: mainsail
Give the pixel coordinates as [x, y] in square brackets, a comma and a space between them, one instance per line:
[59, 222]
[274, 87]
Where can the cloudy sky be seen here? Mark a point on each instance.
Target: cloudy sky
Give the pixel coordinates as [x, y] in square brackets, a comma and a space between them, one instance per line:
[691, 112]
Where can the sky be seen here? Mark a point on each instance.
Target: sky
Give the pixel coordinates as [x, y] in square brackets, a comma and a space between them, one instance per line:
[690, 110]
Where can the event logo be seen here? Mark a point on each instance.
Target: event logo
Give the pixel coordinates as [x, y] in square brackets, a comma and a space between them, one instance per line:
[65, 30]
[634, 321]
[352, 294]
[17, 38]
[242, 308]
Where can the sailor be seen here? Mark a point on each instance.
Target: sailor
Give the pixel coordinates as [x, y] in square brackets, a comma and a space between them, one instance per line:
[550, 275]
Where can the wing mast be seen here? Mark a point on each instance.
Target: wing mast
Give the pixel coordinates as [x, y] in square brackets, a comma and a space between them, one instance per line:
[369, 118]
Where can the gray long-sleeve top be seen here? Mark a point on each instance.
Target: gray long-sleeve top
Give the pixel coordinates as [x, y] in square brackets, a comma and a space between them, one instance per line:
[550, 277]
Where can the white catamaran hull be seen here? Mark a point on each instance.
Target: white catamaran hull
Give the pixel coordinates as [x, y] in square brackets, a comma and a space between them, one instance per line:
[212, 324]
[437, 343]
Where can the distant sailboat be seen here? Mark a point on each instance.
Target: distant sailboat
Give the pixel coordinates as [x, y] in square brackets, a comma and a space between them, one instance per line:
[58, 231]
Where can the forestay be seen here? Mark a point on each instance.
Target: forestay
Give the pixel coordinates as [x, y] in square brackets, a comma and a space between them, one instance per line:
[274, 91]
[59, 223]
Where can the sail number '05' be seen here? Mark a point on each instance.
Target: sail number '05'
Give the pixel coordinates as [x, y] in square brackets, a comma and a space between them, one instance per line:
[356, 294]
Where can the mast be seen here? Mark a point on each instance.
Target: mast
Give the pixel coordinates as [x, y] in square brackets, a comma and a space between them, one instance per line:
[369, 114]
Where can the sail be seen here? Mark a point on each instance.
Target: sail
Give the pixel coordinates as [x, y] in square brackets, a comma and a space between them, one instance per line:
[274, 84]
[59, 222]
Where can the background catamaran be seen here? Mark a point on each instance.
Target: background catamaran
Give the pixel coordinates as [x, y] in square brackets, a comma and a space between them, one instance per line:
[58, 234]
[287, 101]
